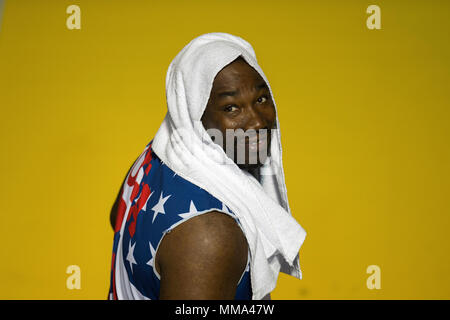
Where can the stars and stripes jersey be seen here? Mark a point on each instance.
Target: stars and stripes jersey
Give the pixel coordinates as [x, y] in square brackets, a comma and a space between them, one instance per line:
[153, 201]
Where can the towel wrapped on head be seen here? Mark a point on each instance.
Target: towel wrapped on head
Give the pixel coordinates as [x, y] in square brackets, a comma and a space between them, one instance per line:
[182, 143]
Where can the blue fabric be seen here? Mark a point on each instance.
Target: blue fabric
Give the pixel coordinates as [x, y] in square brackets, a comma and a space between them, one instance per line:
[169, 201]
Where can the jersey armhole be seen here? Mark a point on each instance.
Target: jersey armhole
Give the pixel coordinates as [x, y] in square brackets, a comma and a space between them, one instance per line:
[168, 230]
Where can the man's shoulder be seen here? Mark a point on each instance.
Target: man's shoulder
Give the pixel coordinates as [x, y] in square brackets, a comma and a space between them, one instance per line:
[209, 231]
[214, 224]
[210, 248]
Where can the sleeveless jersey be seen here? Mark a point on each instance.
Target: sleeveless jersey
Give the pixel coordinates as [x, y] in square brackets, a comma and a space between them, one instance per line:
[153, 201]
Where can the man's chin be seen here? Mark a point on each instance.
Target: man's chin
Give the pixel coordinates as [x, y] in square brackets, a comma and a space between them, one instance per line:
[248, 166]
[251, 161]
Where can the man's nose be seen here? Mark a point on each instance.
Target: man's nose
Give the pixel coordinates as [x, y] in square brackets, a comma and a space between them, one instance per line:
[255, 120]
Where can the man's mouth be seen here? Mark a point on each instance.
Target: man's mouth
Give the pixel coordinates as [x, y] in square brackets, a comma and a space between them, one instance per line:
[254, 146]
[254, 142]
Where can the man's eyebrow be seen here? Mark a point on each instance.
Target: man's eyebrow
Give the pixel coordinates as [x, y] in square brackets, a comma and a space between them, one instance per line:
[232, 93]
[228, 93]
[261, 86]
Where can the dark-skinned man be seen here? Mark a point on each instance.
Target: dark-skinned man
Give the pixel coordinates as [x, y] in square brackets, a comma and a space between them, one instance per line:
[179, 234]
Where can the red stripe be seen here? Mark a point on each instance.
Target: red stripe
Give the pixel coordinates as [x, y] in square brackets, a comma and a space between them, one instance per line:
[120, 212]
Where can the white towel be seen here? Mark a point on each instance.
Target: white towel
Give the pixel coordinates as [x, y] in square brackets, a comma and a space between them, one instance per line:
[182, 143]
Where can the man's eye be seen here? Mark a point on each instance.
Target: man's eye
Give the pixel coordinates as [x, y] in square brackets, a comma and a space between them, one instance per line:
[230, 108]
[262, 99]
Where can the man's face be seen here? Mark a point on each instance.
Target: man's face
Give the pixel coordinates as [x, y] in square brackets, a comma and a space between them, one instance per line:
[240, 99]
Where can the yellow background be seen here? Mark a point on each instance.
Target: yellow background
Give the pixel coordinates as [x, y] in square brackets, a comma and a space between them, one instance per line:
[364, 120]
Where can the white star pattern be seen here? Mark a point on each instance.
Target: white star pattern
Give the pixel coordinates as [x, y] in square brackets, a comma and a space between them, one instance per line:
[159, 207]
[151, 262]
[144, 208]
[127, 286]
[130, 255]
[192, 211]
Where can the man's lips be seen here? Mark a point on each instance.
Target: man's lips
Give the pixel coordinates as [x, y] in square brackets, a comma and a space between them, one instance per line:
[253, 143]
[257, 145]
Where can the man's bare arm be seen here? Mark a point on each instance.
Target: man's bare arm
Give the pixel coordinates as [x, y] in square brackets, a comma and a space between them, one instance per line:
[202, 258]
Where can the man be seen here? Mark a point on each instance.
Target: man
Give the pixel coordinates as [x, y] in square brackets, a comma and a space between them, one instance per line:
[204, 252]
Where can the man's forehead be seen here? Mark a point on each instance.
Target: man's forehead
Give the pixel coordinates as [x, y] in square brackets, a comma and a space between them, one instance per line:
[255, 85]
[236, 67]
[227, 78]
